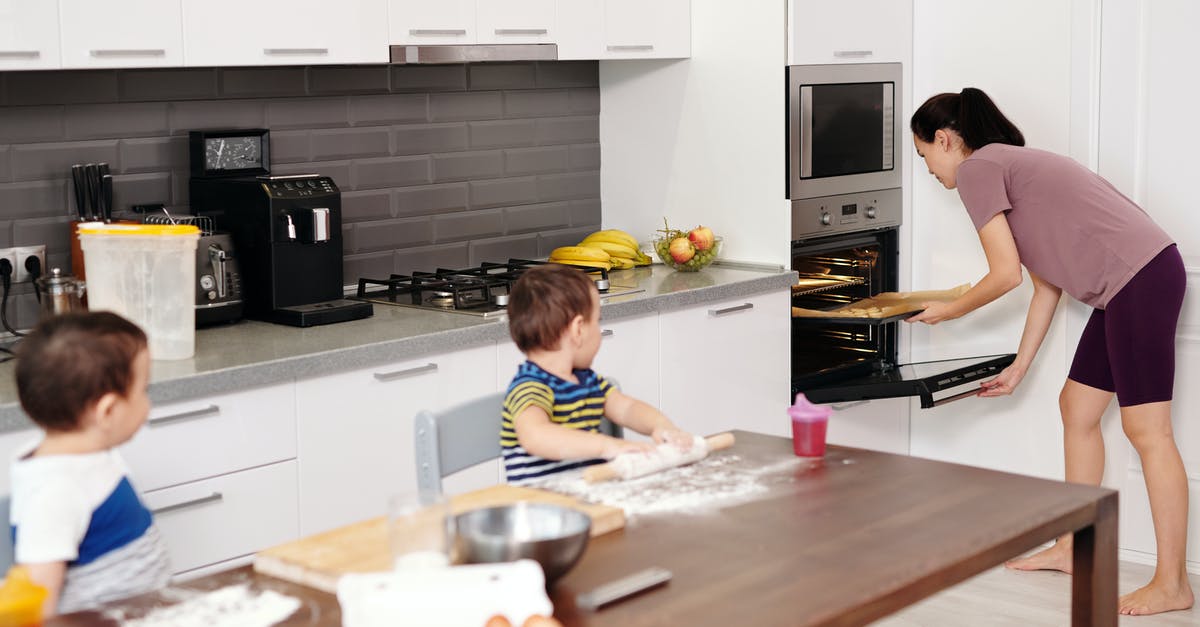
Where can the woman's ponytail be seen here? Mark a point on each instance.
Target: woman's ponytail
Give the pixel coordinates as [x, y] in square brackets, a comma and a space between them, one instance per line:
[971, 114]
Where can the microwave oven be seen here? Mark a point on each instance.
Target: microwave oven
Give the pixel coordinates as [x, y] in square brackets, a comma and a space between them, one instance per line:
[843, 128]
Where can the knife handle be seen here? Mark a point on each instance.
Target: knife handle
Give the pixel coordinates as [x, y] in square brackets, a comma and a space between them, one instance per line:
[106, 194]
[80, 184]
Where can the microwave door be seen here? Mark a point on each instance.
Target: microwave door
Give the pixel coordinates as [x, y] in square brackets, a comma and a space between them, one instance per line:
[949, 379]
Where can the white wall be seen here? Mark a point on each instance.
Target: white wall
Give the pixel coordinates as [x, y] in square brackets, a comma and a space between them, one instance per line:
[973, 43]
[701, 140]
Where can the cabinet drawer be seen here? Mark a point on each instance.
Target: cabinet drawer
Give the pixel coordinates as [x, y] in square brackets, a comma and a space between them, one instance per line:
[228, 516]
[213, 436]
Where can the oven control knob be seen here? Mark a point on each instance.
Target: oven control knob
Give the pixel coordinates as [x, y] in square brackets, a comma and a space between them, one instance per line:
[870, 212]
[826, 218]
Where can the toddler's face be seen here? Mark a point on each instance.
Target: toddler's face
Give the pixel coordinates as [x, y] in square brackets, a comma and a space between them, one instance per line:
[133, 409]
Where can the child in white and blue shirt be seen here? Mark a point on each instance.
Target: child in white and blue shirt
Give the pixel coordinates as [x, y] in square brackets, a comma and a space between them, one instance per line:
[78, 524]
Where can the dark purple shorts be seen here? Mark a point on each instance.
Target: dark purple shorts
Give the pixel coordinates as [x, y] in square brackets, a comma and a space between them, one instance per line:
[1129, 347]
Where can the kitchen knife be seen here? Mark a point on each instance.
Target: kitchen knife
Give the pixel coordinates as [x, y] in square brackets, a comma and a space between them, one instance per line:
[106, 193]
[102, 209]
[91, 174]
[80, 186]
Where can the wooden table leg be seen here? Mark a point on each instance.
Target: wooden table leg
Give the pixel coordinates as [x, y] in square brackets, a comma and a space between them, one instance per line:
[1094, 582]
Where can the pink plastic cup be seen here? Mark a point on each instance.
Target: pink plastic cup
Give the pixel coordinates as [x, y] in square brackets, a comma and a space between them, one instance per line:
[809, 423]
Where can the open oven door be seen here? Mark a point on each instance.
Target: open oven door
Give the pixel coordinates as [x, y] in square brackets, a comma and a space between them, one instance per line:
[950, 379]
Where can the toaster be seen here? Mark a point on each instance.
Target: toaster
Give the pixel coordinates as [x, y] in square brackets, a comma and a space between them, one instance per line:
[218, 280]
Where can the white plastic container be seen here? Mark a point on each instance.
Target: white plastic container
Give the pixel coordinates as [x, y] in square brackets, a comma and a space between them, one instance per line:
[146, 273]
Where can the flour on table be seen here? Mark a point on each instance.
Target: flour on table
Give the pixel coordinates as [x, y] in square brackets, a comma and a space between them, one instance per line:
[706, 486]
[231, 606]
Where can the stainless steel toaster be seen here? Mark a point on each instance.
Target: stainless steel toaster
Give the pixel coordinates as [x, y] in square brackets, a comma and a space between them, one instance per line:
[218, 280]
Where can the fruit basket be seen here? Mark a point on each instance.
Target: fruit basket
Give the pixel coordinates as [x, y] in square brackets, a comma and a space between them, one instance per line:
[686, 251]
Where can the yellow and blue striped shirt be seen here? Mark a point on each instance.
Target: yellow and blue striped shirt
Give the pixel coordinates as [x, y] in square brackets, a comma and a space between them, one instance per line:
[570, 405]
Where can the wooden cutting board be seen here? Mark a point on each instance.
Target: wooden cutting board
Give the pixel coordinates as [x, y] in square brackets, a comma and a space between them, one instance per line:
[318, 561]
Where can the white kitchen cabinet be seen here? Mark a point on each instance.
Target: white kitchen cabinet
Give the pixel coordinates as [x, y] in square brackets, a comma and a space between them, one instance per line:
[432, 23]
[300, 32]
[515, 21]
[878, 425]
[121, 33]
[727, 365]
[224, 517]
[628, 354]
[211, 436]
[29, 35]
[850, 31]
[356, 431]
[624, 29]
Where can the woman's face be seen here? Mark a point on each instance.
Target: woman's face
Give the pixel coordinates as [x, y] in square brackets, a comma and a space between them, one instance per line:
[942, 156]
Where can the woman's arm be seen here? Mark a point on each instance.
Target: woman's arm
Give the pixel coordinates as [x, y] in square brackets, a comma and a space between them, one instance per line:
[1041, 312]
[1004, 274]
[538, 435]
[645, 419]
[49, 575]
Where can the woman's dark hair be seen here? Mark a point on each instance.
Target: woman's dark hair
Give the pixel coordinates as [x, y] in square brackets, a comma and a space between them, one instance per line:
[544, 301]
[68, 362]
[971, 114]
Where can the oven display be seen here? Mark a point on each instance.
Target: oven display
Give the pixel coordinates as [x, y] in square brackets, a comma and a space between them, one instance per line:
[849, 210]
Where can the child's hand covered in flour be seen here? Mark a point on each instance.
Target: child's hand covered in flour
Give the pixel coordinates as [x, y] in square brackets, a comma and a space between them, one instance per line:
[674, 436]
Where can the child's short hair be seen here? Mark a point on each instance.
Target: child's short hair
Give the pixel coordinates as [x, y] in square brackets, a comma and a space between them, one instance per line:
[544, 301]
[68, 362]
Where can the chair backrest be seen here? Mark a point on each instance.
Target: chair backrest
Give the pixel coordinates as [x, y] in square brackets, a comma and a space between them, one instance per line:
[462, 436]
[6, 545]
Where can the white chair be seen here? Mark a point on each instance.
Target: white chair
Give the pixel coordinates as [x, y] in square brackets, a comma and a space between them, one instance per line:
[460, 437]
[6, 543]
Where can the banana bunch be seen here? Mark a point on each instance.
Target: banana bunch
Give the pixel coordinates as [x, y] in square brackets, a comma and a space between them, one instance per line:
[608, 249]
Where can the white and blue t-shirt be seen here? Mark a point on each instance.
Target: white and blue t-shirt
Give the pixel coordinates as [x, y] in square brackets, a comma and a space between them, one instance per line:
[82, 510]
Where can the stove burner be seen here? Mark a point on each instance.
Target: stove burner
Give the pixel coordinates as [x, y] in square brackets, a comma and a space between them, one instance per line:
[482, 290]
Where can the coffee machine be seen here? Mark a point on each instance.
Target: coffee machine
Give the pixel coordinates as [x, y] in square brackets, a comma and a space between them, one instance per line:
[287, 229]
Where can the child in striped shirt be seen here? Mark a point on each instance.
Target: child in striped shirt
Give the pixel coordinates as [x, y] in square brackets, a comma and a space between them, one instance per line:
[77, 522]
[551, 417]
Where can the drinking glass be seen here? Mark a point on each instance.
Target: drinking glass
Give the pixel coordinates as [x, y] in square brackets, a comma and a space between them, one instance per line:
[420, 530]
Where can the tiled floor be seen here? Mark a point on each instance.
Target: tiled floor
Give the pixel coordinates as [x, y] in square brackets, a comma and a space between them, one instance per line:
[1006, 598]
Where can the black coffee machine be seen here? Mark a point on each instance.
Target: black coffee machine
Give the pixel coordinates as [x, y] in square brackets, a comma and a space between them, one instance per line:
[287, 229]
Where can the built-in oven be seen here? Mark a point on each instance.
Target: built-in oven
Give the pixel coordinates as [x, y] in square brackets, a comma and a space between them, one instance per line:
[845, 248]
[844, 128]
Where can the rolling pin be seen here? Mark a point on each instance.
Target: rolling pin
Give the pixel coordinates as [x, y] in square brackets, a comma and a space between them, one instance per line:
[632, 465]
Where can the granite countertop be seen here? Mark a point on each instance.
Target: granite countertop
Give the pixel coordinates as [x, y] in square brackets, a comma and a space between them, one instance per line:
[250, 353]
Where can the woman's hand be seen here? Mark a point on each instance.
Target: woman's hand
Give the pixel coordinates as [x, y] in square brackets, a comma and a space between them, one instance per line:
[674, 436]
[1004, 383]
[934, 313]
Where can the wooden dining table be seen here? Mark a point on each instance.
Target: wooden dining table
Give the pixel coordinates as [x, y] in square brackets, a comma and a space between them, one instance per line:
[840, 540]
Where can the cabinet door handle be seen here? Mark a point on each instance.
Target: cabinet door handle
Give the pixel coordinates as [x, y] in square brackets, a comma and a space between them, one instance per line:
[437, 31]
[606, 333]
[149, 52]
[400, 374]
[185, 415]
[212, 498]
[841, 406]
[20, 54]
[521, 31]
[852, 54]
[630, 47]
[728, 310]
[276, 51]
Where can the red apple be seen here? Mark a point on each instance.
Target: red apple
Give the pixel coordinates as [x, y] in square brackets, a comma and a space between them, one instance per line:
[682, 250]
[701, 237]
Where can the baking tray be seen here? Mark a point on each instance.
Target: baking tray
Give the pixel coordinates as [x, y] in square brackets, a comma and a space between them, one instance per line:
[856, 320]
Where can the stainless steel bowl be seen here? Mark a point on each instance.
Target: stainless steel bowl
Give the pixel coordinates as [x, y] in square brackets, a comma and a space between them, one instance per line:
[553, 535]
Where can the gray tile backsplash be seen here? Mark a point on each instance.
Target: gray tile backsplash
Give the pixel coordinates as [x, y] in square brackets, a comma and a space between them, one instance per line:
[439, 165]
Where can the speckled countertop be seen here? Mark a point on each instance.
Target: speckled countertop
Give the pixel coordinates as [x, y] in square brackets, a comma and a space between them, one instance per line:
[249, 353]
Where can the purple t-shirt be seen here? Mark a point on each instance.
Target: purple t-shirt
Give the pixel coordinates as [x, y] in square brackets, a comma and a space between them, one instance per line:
[1072, 227]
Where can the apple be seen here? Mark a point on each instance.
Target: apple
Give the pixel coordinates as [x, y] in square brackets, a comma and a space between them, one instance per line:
[682, 250]
[701, 237]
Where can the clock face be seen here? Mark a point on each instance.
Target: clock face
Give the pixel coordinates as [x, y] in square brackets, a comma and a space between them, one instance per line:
[233, 153]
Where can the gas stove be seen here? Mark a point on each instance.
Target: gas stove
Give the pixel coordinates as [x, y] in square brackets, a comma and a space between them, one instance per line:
[478, 291]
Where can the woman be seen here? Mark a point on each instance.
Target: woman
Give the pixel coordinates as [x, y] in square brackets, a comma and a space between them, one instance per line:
[1074, 232]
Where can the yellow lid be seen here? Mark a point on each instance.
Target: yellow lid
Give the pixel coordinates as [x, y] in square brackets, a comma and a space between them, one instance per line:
[138, 229]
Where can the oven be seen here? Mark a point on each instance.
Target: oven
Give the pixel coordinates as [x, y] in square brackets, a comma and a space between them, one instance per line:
[846, 248]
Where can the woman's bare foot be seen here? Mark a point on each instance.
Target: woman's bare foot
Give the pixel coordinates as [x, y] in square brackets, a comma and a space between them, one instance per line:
[1156, 597]
[1057, 557]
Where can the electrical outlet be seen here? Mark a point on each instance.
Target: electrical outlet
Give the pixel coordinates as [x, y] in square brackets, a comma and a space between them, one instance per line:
[19, 255]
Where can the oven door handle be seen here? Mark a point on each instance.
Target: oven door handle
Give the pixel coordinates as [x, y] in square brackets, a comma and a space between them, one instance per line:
[927, 400]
